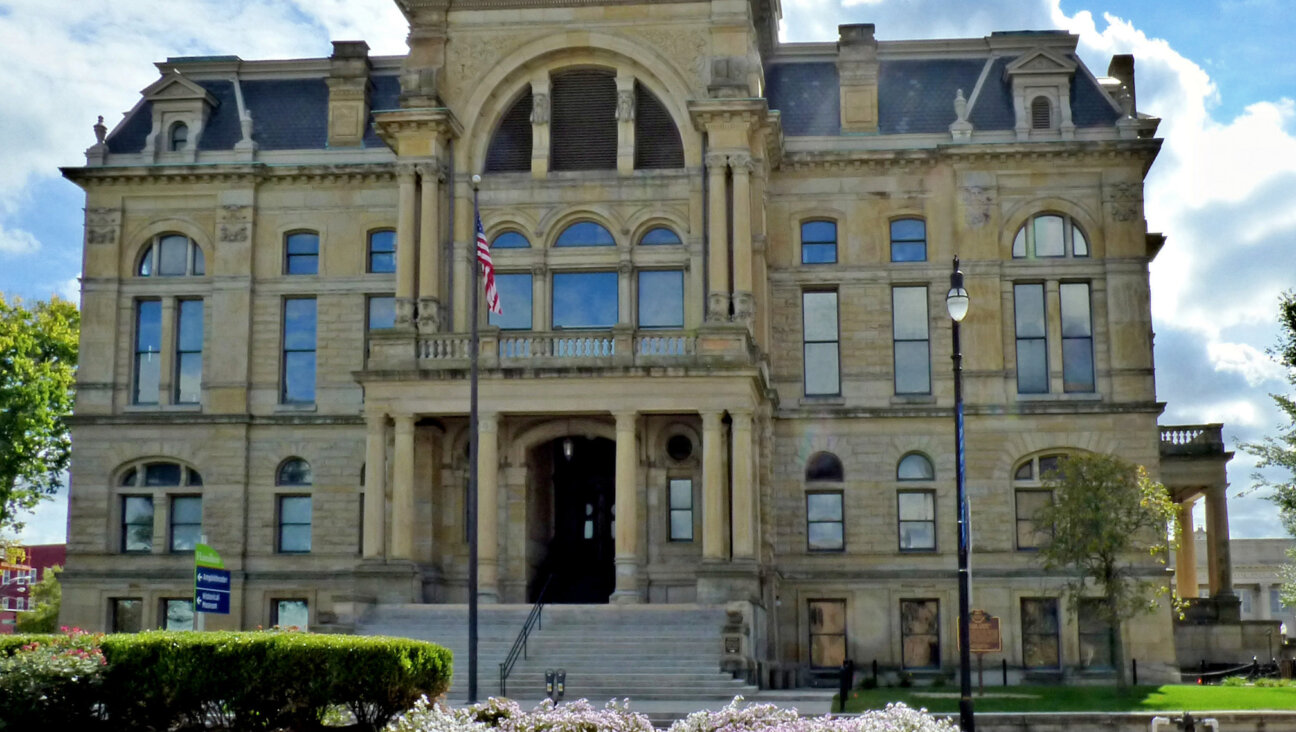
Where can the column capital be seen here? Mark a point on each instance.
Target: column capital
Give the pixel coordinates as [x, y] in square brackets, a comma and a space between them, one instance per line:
[403, 422]
[741, 417]
[487, 422]
[711, 417]
[376, 420]
[741, 163]
[405, 171]
[625, 419]
[716, 161]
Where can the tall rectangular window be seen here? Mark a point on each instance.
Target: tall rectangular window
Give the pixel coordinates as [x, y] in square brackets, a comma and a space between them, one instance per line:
[382, 251]
[827, 633]
[294, 524]
[1095, 635]
[920, 633]
[909, 240]
[1039, 629]
[127, 614]
[148, 351]
[137, 524]
[188, 354]
[917, 516]
[1032, 348]
[818, 242]
[1030, 535]
[178, 614]
[661, 299]
[515, 297]
[301, 253]
[912, 350]
[681, 509]
[825, 527]
[298, 381]
[186, 522]
[822, 360]
[1077, 337]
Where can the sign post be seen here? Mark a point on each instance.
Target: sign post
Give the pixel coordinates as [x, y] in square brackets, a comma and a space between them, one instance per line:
[211, 583]
[983, 638]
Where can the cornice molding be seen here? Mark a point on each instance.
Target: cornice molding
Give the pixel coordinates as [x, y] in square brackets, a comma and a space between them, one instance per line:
[248, 174]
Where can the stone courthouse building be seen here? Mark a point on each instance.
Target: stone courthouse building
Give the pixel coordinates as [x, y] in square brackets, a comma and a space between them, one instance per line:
[722, 375]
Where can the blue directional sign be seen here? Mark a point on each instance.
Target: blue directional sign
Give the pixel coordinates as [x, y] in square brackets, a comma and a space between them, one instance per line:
[210, 601]
[211, 582]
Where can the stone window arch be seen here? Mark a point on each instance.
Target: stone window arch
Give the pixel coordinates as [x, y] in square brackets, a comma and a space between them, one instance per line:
[171, 254]
[824, 467]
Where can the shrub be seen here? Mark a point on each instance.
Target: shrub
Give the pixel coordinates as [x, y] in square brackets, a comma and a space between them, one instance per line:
[50, 680]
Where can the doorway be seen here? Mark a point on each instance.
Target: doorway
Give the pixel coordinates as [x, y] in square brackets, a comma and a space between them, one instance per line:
[581, 551]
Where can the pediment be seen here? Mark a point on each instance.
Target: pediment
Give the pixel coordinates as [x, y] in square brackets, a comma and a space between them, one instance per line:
[1040, 61]
[175, 87]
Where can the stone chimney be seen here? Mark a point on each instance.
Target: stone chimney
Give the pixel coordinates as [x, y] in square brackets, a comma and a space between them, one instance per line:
[1121, 68]
[857, 70]
[348, 83]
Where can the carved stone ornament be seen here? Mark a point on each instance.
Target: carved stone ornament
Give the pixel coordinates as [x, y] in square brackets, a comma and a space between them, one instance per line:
[100, 131]
[625, 105]
[540, 109]
[429, 315]
[717, 307]
[977, 201]
[716, 160]
[744, 306]
[102, 225]
[404, 312]
[741, 162]
[1126, 200]
[235, 223]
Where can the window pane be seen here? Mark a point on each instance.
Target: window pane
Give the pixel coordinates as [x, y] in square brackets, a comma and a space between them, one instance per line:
[303, 253]
[148, 357]
[184, 538]
[1095, 639]
[510, 240]
[909, 312]
[908, 230]
[1029, 309]
[585, 299]
[1019, 243]
[199, 264]
[917, 506]
[515, 297]
[819, 232]
[681, 493]
[915, 467]
[818, 253]
[127, 615]
[186, 509]
[303, 243]
[912, 368]
[917, 535]
[585, 234]
[1077, 364]
[819, 315]
[295, 538]
[137, 524]
[660, 235]
[824, 506]
[295, 472]
[1032, 367]
[291, 613]
[908, 240]
[681, 525]
[1048, 236]
[156, 474]
[821, 369]
[295, 509]
[299, 376]
[382, 312]
[1080, 246]
[661, 299]
[908, 252]
[1075, 310]
[148, 331]
[825, 536]
[1024, 472]
[299, 324]
[179, 615]
[382, 251]
[188, 378]
[190, 337]
[146, 262]
[174, 256]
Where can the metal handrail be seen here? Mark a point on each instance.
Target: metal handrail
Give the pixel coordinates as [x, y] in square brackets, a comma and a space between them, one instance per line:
[520, 645]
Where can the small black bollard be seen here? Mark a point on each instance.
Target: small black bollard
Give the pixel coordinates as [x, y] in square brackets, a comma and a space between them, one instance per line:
[845, 682]
[1005, 672]
[875, 676]
[549, 684]
[560, 685]
[1134, 670]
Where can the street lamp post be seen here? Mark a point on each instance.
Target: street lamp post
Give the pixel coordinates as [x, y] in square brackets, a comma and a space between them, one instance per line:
[956, 302]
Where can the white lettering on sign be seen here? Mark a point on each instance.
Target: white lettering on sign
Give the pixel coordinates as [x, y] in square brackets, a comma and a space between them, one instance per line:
[216, 578]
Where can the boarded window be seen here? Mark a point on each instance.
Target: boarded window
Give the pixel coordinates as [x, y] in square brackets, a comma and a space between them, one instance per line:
[583, 133]
[510, 148]
[1041, 117]
[827, 633]
[657, 141]
[920, 633]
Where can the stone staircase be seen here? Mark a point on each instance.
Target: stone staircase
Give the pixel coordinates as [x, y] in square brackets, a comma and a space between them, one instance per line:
[643, 652]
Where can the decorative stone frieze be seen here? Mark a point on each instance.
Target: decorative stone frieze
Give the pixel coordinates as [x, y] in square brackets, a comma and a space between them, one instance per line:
[235, 223]
[102, 225]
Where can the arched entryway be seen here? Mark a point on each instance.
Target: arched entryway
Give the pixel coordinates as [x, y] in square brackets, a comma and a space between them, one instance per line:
[572, 521]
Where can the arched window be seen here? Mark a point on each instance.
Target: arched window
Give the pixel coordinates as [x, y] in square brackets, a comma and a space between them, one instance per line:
[301, 253]
[510, 147]
[583, 122]
[824, 466]
[293, 471]
[178, 138]
[585, 234]
[511, 240]
[171, 255]
[1050, 235]
[1030, 497]
[908, 240]
[141, 487]
[659, 236]
[657, 141]
[915, 466]
[1041, 114]
[382, 251]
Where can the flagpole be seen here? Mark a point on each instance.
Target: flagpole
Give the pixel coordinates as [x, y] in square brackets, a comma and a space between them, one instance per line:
[473, 296]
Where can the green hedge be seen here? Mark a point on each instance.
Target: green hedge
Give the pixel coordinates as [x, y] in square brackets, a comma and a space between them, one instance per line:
[11, 643]
[266, 680]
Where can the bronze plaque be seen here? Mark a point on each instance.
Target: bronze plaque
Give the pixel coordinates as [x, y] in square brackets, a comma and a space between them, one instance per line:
[983, 633]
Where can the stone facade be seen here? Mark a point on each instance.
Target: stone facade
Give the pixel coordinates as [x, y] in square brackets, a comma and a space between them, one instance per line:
[718, 397]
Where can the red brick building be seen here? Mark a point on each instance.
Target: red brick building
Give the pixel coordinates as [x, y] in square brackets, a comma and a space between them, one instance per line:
[15, 584]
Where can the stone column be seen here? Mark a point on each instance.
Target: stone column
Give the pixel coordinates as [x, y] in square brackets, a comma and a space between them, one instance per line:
[375, 488]
[1217, 541]
[717, 239]
[625, 114]
[1186, 554]
[167, 357]
[744, 304]
[627, 515]
[403, 488]
[406, 261]
[1262, 608]
[715, 539]
[540, 112]
[429, 298]
[744, 492]
[488, 508]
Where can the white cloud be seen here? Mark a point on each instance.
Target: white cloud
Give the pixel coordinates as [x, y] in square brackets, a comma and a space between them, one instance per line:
[17, 242]
[1253, 364]
[70, 289]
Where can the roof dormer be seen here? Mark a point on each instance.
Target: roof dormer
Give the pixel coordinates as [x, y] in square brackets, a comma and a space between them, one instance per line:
[1041, 89]
[180, 111]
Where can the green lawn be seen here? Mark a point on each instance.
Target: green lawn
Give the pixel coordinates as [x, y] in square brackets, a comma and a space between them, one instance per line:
[1172, 697]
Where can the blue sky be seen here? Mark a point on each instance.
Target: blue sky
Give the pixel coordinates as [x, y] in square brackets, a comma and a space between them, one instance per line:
[1216, 71]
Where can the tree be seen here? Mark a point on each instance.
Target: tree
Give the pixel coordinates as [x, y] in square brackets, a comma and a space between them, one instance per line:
[1105, 513]
[38, 355]
[1280, 452]
[45, 597]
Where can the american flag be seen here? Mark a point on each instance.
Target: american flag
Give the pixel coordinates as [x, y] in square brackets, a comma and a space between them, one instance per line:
[488, 268]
